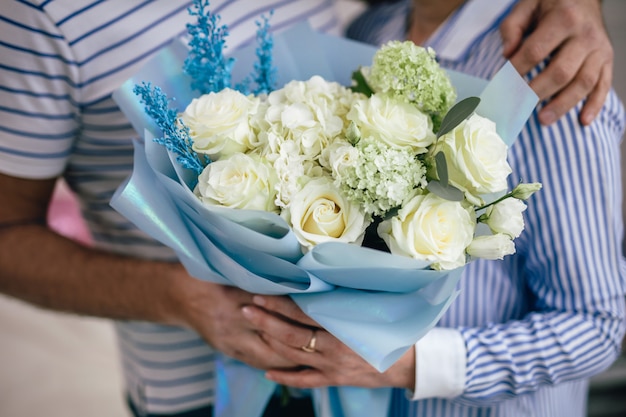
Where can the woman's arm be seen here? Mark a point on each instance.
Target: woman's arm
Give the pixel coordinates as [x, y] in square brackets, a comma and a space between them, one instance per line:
[569, 257]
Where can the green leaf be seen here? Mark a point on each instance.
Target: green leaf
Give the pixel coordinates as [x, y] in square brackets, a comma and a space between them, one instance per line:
[442, 168]
[447, 192]
[360, 85]
[459, 112]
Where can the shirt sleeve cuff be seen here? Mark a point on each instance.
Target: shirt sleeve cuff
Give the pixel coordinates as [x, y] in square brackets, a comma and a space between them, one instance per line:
[440, 364]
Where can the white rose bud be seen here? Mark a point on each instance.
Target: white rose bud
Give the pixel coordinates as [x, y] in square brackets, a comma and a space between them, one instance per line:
[506, 217]
[491, 247]
[524, 191]
[430, 228]
[353, 134]
[241, 181]
[320, 213]
[219, 123]
[476, 157]
[394, 122]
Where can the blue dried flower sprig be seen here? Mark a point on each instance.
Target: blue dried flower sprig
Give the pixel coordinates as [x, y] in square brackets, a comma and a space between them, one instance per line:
[265, 72]
[176, 137]
[209, 69]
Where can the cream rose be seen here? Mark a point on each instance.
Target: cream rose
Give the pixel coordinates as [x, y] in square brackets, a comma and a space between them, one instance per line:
[394, 122]
[320, 213]
[219, 123]
[241, 181]
[339, 156]
[491, 247]
[430, 228]
[476, 157]
[506, 217]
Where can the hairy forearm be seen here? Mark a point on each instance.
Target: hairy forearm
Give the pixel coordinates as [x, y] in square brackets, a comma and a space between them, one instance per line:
[46, 269]
[41, 267]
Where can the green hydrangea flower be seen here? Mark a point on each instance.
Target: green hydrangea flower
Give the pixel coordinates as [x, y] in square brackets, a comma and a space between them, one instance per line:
[411, 73]
[381, 178]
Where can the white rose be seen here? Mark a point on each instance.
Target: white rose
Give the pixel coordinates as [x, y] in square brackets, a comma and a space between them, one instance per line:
[430, 228]
[320, 213]
[506, 217]
[394, 122]
[476, 157]
[219, 123]
[491, 247]
[339, 156]
[240, 181]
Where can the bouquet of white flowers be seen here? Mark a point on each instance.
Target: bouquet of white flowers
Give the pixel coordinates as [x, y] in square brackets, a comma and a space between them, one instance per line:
[280, 191]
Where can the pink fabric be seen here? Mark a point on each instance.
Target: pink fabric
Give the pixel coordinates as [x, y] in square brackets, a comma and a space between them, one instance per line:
[64, 215]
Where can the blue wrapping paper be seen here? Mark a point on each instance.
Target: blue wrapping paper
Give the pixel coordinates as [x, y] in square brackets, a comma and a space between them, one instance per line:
[376, 303]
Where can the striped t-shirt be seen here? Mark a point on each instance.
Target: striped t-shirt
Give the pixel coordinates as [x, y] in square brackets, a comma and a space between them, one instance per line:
[60, 61]
[536, 325]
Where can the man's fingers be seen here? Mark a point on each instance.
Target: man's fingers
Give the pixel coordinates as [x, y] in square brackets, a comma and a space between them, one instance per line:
[279, 329]
[516, 24]
[561, 72]
[588, 82]
[572, 34]
[541, 43]
[596, 99]
[285, 307]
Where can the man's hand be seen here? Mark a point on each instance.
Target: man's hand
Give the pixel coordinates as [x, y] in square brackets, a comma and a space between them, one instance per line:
[581, 66]
[215, 312]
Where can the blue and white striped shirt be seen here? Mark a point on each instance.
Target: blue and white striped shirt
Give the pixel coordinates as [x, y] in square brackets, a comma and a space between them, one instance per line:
[535, 326]
[59, 62]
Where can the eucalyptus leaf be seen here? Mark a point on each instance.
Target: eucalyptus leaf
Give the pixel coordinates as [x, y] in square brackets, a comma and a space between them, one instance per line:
[391, 213]
[442, 168]
[361, 85]
[447, 192]
[459, 112]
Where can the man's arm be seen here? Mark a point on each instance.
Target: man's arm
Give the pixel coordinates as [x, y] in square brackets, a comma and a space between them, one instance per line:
[581, 63]
[41, 267]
